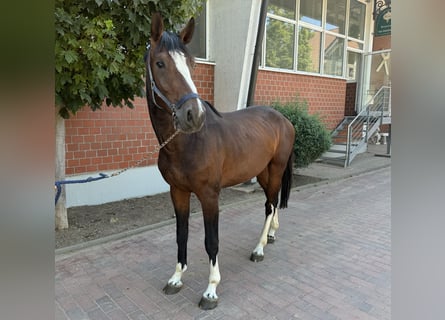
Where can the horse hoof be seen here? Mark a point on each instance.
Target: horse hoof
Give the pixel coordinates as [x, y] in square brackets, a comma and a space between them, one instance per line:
[256, 257]
[270, 239]
[169, 289]
[208, 304]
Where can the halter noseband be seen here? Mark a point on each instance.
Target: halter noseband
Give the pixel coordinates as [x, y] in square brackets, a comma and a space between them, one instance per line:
[154, 89]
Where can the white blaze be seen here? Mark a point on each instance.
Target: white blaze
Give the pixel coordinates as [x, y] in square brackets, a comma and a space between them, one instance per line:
[181, 65]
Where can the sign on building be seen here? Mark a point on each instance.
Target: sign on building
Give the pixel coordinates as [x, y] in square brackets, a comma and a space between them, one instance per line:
[383, 23]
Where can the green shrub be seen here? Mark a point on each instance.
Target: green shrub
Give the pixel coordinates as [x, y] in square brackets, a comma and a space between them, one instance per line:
[311, 136]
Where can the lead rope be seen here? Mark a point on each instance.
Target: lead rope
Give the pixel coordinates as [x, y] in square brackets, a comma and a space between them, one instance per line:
[157, 149]
[58, 184]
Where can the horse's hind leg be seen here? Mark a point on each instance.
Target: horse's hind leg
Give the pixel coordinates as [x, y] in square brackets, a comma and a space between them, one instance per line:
[271, 186]
[181, 203]
[258, 252]
[274, 225]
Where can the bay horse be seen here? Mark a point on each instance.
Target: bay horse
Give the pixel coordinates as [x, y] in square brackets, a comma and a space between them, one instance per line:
[205, 151]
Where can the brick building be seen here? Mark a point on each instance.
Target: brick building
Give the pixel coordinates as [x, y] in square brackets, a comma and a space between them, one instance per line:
[322, 48]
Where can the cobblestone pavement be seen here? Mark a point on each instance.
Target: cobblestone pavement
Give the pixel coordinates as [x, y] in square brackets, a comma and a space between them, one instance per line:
[331, 260]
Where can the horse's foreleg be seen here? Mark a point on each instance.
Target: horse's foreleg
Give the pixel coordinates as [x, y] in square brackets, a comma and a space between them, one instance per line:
[209, 298]
[181, 203]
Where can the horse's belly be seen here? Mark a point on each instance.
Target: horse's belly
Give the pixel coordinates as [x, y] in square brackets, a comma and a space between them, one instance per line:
[243, 170]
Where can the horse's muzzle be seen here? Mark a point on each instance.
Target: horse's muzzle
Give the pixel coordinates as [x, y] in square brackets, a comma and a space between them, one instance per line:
[190, 116]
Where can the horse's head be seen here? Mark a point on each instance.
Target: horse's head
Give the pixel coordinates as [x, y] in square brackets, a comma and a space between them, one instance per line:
[169, 80]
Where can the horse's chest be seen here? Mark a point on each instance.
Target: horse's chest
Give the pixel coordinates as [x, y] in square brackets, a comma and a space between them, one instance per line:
[178, 173]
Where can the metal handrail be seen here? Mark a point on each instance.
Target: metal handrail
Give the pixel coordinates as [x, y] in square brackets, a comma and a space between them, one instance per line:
[356, 127]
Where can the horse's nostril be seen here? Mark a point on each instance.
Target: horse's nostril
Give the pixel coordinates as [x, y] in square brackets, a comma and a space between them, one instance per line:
[189, 115]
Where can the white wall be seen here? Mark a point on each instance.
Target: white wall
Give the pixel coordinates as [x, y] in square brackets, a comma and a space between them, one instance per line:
[232, 33]
[133, 183]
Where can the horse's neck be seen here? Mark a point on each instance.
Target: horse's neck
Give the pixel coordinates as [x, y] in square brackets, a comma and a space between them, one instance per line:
[162, 123]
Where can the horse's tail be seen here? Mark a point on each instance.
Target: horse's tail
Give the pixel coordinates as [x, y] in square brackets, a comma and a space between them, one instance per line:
[286, 182]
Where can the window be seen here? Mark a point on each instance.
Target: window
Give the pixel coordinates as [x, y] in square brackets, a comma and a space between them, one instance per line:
[198, 45]
[279, 44]
[336, 16]
[333, 55]
[355, 45]
[315, 36]
[310, 11]
[354, 63]
[309, 44]
[357, 12]
[356, 35]
[282, 8]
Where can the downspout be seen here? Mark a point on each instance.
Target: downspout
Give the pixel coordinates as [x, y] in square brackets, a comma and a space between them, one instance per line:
[256, 61]
[256, 54]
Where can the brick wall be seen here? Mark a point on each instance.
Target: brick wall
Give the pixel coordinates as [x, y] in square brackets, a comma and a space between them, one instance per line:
[108, 139]
[203, 77]
[116, 138]
[381, 43]
[325, 96]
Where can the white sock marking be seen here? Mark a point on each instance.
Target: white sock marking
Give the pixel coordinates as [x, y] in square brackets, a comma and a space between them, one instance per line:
[214, 279]
[274, 225]
[175, 280]
[263, 239]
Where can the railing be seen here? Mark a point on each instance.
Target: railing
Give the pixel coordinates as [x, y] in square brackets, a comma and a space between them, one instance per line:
[367, 122]
[387, 101]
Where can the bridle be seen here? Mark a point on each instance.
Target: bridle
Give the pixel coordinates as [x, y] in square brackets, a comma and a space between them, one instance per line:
[155, 90]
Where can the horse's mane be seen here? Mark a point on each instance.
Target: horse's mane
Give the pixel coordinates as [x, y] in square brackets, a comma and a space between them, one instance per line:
[170, 41]
[213, 109]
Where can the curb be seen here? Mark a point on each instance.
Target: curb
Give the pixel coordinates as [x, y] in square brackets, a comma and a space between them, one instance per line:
[66, 251]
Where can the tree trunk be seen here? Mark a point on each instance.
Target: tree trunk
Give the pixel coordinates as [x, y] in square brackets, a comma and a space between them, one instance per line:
[61, 220]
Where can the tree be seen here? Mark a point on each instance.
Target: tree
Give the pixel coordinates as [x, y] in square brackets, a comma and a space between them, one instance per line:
[99, 51]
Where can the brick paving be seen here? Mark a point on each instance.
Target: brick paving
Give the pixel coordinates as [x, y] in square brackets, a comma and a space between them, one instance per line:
[331, 260]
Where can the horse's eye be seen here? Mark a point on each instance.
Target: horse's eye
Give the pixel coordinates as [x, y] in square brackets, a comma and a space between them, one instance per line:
[160, 64]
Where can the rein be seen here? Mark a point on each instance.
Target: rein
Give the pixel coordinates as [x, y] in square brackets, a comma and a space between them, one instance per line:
[155, 90]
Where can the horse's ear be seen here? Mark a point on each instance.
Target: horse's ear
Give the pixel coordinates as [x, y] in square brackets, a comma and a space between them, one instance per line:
[157, 27]
[187, 33]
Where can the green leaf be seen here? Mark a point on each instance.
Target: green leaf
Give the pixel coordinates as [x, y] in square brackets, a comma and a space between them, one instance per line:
[109, 24]
[102, 91]
[70, 56]
[128, 78]
[114, 67]
[102, 74]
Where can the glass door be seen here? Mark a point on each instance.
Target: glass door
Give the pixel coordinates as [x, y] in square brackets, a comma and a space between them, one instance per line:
[376, 74]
